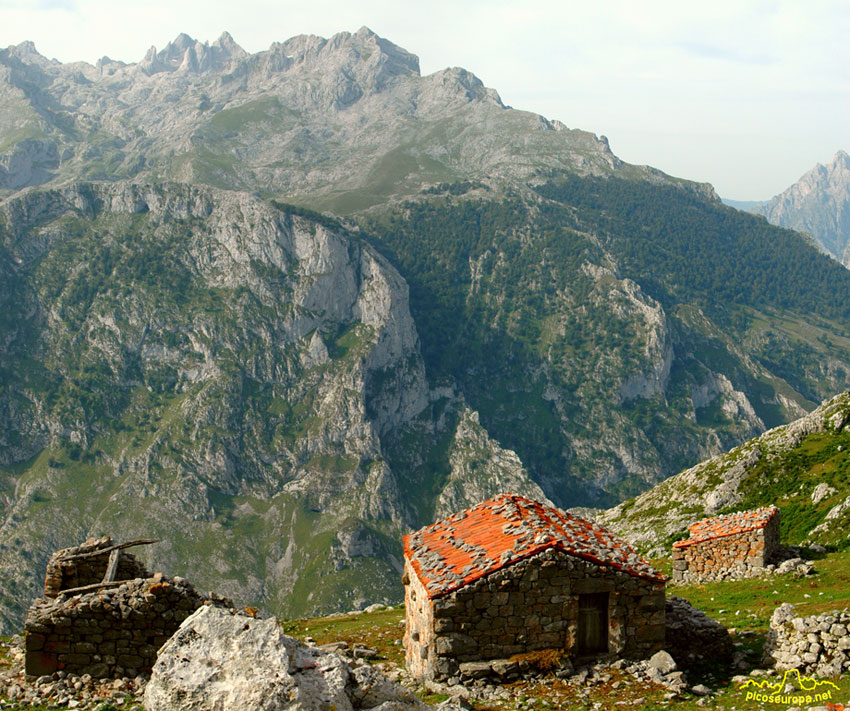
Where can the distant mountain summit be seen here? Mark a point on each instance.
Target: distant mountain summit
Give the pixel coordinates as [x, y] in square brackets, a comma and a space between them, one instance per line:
[818, 204]
[341, 123]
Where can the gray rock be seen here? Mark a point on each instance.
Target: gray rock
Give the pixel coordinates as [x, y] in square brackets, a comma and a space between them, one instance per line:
[663, 662]
[822, 491]
[691, 636]
[217, 660]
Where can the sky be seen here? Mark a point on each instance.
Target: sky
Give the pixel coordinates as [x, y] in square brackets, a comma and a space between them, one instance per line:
[745, 94]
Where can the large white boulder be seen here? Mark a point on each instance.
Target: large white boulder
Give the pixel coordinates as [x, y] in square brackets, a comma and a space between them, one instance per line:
[218, 661]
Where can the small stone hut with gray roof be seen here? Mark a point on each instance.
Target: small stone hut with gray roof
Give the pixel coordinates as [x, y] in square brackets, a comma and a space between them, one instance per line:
[728, 547]
[512, 576]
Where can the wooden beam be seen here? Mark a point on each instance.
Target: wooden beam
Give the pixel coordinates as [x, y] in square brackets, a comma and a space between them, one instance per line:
[112, 567]
[120, 546]
[89, 588]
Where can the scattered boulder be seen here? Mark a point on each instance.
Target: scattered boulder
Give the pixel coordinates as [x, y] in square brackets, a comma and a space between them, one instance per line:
[659, 669]
[701, 690]
[799, 567]
[663, 662]
[221, 660]
[822, 491]
[692, 637]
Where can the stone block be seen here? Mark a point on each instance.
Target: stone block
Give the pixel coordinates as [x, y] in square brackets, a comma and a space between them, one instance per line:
[475, 670]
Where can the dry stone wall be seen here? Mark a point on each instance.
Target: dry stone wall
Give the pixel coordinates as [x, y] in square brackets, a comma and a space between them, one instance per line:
[818, 644]
[65, 571]
[530, 605]
[114, 632]
[105, 631]
[732, 557]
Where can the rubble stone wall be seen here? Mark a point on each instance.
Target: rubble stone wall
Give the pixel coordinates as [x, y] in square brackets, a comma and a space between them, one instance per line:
[732, 557]
[110, 632]
[528, 606]
[63, 574]
[818, 644]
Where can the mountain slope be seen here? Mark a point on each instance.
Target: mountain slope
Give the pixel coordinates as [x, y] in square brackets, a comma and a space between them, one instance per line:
[249, 380]
[802, 467]
[203, 367]
[612, 332]
[819, 205]
[340, 123]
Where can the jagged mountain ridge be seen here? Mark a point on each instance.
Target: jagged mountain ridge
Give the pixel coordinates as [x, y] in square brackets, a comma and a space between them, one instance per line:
[817, 204]
[340, 123]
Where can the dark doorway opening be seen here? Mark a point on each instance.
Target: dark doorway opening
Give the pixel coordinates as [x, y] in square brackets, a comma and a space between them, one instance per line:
[593, 623]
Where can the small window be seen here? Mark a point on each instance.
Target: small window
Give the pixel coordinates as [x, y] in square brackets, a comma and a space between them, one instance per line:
[592, 630]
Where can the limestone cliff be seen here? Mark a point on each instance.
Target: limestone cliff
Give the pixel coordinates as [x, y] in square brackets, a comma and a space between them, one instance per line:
[204, 367]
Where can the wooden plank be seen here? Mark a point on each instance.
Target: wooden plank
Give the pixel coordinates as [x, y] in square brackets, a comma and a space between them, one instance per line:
[109, 549]
[89, 588]
[112, 567]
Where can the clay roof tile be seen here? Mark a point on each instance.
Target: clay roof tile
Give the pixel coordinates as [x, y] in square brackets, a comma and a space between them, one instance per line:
[505, 529]
[731, 524]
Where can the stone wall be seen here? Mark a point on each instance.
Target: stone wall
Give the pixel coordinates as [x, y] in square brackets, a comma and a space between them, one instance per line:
[818, 644]
[731, 557]
[106, 631]
[530, 605]
[419, 631]
[64, 572]
[112, 632]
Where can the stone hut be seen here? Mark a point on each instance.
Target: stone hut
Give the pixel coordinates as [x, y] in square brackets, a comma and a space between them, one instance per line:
[513, 576]
[103, 613]
[733, 546]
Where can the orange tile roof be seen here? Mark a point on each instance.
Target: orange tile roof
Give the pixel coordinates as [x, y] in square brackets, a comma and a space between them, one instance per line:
[503, 530]
[727, 525]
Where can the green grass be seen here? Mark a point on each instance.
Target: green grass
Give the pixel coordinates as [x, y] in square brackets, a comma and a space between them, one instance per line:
[19, 134]
[754, 600]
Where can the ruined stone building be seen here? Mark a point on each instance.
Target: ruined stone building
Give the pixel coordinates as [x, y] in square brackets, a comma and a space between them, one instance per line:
[103, 613]
[736, 545]
[511, 576]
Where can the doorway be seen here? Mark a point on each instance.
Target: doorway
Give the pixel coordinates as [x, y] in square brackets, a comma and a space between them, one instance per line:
[592, 630]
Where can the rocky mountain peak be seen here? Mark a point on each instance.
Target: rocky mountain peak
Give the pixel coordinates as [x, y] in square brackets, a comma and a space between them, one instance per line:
[818, 204]
[841, 159]
[370, 60]
[26, 53]
[185, 54]
[225, 43]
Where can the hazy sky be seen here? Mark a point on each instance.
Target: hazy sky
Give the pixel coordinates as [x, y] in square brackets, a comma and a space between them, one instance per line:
[745, 94]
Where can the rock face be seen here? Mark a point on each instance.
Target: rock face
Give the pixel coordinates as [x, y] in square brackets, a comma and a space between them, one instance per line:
[248, 368]
[817, 644]
[221, 661]
[818, 204]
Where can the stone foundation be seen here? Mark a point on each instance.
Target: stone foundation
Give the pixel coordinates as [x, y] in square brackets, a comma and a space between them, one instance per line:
[528, 606]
